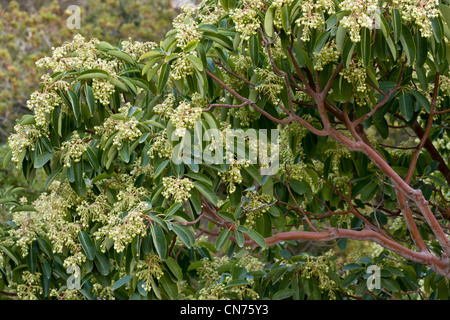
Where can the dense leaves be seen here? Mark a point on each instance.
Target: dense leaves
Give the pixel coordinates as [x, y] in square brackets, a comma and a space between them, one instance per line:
[146, 210]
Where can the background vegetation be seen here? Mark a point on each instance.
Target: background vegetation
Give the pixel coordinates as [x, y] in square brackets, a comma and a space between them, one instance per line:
[140, 226]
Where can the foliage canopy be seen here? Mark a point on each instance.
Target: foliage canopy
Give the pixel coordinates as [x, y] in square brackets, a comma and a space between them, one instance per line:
[340, 81]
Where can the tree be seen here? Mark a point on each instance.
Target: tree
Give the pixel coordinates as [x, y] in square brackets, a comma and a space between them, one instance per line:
[348, 99]
[30, 29]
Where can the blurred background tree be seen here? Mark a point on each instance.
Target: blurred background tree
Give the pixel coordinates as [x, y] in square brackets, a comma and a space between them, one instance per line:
[29, 29]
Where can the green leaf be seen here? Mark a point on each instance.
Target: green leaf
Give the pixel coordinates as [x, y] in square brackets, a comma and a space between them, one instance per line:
[102, 263]
[268, 21]
[222, 238]
[390, 284]
[196, 62]
[164, 76]
[173, 208]
[421, 49]
[320, 41]
[160, 169]
[206, 191]
[199, 177]
[87, 245]
[28, 119]
[408, 45]
[191, 46]
[24, 208]
[92, 158]
[174, 268]
[397, 24]
[185, 235]
[422, 100]
[253, 172]
[259, 239]
[283, 294]
[159, 240]
[239, 238]
[119, 283]
[406, 106]
[10, 254]
[90, 99]
[79, 185]
[94, 74]
[301, 187]
[285, 21]
[75, 105]
[152, 54]
[42, 159]
[121, 55]
[219, 39]
[254, 49]
[366, 48]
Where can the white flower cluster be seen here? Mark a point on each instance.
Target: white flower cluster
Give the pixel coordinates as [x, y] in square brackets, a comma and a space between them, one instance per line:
[186, 26]
[53, 210]
[215, 284]
[80, 54]
[211, 14]
[161, 146]
[30, 226]
[77, 259]
[184, 117]
[328, 54]
[242, 64]
[419, 11]
[247, 20]
[281, 3]
[270, 84]
[96, 211]
[103, 90]
[181, 67]
[31, 287]
[126, 129]
[24, 137]
[318, 267]
[185, 114]
[362, 13]
[136, 48]
[73, 149]
[43, 104]
[256, 207]
[149, 269]
[166, 107]
[233, 176]
[177, 188]
[312, 15]
[123, 230]
[444, 85]
[356, 75]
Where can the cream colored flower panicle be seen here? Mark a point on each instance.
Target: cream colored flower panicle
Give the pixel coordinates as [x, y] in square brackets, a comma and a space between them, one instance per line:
[247, 20]
[125, 129]
[184, 114]
[186, 26]
[149, 269]
[312, 15]
[24, 137]
[82, 54]
[73, 149]
[177, 188]
[420, 12]
[362, 14]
